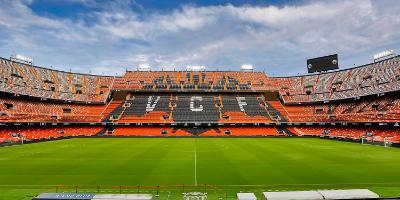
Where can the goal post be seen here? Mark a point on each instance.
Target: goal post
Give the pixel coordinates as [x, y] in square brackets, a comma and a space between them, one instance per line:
[387, 142]
[364, 139]
[367, 139]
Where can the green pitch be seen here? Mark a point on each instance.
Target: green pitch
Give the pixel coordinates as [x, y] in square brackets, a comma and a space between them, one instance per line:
[219, 166]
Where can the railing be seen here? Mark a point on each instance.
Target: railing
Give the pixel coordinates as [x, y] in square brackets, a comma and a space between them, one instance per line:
[174, 192]
[170, 192]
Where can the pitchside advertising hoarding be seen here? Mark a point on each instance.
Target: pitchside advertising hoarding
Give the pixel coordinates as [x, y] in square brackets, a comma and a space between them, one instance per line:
[77, 196]
[322, 64]
[89, 196]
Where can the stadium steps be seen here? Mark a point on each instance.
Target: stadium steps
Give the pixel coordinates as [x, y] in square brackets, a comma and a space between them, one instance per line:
[117, 111]
[288, 132]
[218, 100]
[54, 77]
[272, 109]
[364, 106]
[102, 132]
[350, 108]
[196, 131]
[106, 131]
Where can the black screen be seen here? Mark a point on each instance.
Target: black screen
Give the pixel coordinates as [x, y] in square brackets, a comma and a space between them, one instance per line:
[324, 63]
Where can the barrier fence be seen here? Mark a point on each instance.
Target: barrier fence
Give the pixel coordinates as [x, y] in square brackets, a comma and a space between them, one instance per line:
[159, 192]
[173, 192]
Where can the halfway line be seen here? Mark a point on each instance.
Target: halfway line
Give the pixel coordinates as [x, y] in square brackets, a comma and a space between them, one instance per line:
[195, 163]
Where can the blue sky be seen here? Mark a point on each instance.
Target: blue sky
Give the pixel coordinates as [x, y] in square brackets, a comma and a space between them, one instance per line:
[106, 37]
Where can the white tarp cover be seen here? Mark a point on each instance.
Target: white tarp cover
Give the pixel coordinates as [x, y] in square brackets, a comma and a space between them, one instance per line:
[348, 194]
[294, 195]
[320, 194]
[246, 196]
[123, 196]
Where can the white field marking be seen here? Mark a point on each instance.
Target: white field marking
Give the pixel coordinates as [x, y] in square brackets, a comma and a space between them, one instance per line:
[314, 184]
[195, 163]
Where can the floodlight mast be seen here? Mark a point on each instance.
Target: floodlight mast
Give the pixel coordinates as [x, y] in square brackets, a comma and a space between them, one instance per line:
[247, 68]
[196, 68]
[21, 58]
[144, 67]
[384, 55]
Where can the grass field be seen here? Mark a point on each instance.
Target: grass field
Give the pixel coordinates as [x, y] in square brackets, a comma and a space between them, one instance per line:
[220, 166]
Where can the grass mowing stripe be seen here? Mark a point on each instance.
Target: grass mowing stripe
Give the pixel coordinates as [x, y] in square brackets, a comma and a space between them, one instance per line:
[242, 163]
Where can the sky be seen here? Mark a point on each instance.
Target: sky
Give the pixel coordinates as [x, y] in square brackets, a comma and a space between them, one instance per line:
[277, 37]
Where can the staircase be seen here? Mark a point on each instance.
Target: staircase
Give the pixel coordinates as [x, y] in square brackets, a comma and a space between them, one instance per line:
[276, 110]
[288, 132]
[115, 110]
[102, 132]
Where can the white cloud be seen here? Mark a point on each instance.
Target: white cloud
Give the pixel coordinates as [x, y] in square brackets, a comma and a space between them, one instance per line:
[275, 39]
[127, 25]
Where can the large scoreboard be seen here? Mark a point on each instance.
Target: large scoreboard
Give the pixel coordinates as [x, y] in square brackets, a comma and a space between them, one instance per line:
[322, 64]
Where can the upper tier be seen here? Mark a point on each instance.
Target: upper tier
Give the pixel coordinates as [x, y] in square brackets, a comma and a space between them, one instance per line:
[192, 81]
[22, 79]
[371, 79]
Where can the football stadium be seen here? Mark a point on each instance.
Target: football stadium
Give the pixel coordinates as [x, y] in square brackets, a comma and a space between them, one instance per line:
[198, 132]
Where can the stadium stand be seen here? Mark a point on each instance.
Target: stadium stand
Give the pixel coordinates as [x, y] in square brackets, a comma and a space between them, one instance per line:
[146, 108]
[203, 131]
[16, 134]
[373, 134]
[189, 81]
[25, 80]
[195, 108]
[380, 109]
[22, 110]
[371, 79]
[199, 103]
[244, 108]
